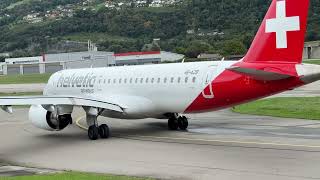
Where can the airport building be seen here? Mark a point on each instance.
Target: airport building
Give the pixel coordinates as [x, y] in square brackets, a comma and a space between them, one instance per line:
[311, 50]
[50, 63]
[138, 58]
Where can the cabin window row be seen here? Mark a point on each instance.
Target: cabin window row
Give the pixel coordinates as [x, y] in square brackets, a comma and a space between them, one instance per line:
[149, 80]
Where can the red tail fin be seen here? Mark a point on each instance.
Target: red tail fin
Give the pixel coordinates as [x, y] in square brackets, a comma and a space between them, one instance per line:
[281, 34]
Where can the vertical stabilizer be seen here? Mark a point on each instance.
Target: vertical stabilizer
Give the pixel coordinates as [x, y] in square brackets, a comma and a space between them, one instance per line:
[280, 37]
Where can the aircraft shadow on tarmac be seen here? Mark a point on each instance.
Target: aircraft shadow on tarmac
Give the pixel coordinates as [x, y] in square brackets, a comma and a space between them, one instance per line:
[42, 141]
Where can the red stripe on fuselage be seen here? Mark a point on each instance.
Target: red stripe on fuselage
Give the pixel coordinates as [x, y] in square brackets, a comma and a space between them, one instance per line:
[232, 89]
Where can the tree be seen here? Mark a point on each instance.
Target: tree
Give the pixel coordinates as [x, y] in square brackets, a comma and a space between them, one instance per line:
[233, 47]
[148, 2]
[116, 48]
[154, 46]
[2, 58]
[197, 47]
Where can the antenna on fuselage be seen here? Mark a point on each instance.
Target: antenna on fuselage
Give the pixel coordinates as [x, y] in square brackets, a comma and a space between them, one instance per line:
[222, 59]
[183, 60]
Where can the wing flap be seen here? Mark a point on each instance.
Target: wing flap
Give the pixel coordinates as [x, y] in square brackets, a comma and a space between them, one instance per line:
[259, 74]
[58, 100]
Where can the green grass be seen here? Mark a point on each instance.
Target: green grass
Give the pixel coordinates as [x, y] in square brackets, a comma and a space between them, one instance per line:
[21, 94]
[287, 107]
[25, 79]
[314, 61]
[73, 176]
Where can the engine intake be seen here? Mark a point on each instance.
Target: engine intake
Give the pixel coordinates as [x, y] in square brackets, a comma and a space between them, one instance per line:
[47, 120]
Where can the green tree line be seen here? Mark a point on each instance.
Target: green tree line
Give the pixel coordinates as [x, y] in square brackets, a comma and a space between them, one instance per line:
[193, 27]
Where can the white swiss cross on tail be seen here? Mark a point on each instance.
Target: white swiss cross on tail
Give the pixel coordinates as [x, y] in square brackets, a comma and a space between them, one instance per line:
[282, 24]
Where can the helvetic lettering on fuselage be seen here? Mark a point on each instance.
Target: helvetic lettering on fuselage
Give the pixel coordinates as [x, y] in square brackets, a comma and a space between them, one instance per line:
[77, 80]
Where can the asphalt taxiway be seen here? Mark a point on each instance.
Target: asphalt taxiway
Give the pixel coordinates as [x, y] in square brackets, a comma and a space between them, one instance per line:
[218, 145]
[16, 88]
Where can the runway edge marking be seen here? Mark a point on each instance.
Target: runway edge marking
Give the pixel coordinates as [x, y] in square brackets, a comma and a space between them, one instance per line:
[208, 140]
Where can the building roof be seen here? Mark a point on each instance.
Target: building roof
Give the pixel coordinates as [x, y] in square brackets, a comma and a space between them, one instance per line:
[312, 44]
[138, 53]
[209, 56]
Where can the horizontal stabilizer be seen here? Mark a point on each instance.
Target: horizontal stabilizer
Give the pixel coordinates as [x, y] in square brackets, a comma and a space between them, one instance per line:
[259, 74]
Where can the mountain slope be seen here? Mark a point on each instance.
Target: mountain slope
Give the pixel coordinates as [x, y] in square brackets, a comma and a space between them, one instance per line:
[29, 25]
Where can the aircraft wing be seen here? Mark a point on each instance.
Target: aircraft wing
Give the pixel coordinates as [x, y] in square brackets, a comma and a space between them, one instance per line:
[259, 74]
[57, 100]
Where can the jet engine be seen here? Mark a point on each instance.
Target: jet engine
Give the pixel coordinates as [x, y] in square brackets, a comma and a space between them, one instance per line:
[47, 120]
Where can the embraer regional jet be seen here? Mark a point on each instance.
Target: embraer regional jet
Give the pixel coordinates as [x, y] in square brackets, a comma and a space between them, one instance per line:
[272, 65]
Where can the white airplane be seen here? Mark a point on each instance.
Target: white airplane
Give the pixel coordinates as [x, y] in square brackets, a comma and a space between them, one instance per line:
[272, 65]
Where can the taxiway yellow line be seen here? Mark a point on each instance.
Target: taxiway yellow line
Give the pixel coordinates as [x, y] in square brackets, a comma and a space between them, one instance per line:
[209, 140]
[80, 125]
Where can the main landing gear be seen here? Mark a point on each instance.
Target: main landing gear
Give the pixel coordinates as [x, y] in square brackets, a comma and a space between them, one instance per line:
[95, 130]
[175, 123]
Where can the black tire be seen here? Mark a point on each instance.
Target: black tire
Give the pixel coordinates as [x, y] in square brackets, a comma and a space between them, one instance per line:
[104, 131]
[183, 123]
[93, 132]
[173, 124]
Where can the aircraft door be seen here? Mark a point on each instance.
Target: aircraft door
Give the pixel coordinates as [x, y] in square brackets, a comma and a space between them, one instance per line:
[207, 81]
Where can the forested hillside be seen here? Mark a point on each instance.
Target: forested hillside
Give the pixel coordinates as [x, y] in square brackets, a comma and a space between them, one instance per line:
[29, 27]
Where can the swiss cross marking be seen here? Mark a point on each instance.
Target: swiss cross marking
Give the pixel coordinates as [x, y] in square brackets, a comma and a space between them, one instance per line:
[282, 24]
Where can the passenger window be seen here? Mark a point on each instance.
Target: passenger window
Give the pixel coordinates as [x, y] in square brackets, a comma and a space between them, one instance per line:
[147, 80]
[172, 79]
[141, 80]
[165, 80]
[104, 81]
[179, 79]
[130, 80]
[136, 80]
[109, 81]
[114, 81]
[120, 81]
[194, 79]
[159, 80]
[186, 80]
[152, 80]
[125, 80]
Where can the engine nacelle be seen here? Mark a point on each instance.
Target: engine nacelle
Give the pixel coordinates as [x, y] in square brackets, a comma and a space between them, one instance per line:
[47, 120]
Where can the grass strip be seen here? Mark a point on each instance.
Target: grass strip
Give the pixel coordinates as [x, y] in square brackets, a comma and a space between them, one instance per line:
[315, 61]
[287, 107]
[21, 94]
[73, 176]
[25, 79]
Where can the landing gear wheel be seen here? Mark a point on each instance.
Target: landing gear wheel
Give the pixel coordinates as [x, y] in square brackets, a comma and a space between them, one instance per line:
[93, 132]
[183, 123]
[173, 124]
[104, 131]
